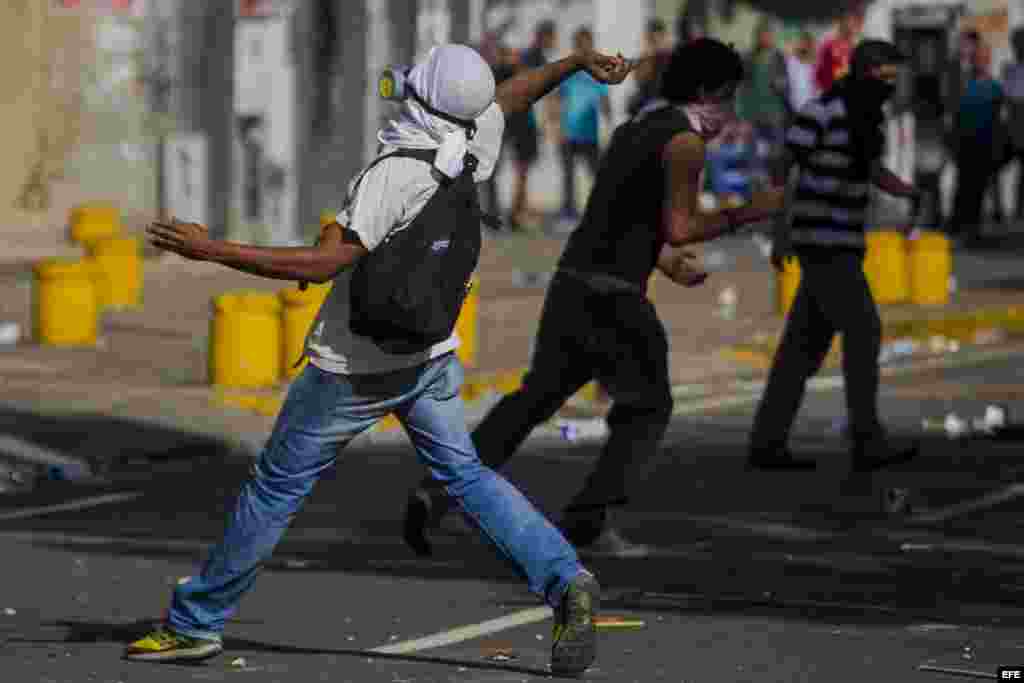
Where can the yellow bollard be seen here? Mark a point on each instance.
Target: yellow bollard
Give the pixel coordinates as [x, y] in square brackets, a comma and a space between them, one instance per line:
[299, 309]
[64, 310]
[931, 263]
[94, 221]
[786, 284]
[468, 326]
[245, 340]
[885, 266]
[117, 263]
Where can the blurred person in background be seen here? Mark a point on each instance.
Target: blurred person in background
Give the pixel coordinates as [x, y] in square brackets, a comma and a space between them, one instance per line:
[835, 148]
[504, 64]
[597, 320]
[800, 69]
[581, 101]
[762, 102]
[1013, 90]
[647, 74]
[978, 142]
[523, 129]
[834, 55]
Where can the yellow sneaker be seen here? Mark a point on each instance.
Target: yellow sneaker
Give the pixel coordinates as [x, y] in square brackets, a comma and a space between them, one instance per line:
[164, 645]
[574, 639]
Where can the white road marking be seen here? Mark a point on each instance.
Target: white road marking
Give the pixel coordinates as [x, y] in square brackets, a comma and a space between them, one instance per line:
[463, 633]
[32, 452]
[80, 504]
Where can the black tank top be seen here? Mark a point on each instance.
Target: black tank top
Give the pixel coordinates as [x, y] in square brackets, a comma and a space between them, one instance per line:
[621, 232]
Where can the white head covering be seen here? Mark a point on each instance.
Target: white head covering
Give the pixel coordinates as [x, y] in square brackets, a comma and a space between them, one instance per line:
[456, 80]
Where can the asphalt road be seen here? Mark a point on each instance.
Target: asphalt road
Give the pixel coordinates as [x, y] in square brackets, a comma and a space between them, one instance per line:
[749, 576]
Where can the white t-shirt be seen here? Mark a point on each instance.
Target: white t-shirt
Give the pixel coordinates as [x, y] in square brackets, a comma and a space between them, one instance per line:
[389, 197]
[802, 88]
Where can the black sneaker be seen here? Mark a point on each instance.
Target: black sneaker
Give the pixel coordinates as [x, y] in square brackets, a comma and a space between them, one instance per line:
[778, 460]
[574, 636]
[423, 511]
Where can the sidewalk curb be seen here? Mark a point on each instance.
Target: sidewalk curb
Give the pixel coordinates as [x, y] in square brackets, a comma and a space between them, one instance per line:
[991, 323]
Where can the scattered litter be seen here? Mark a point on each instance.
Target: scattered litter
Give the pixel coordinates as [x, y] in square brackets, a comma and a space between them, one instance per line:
[183, 580]
[727, 302]
[932, 628]
[392, 638]
[910, 547]
[539, 637]
[525, 278]
[953, 425]
[70, 472]
[238, 663]
[462, 669]
[296, 564]
[9, 333]
[501, 655]
[992, 421]
[9, 612]
[764, 245]
[573, 430]
[939, 344]
[992, 335]
[899, 348]
[716, 259]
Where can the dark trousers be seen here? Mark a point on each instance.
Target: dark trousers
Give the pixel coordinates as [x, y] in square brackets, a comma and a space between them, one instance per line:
[586, 334]
[833, 297]
[974, 170]
[572, 150]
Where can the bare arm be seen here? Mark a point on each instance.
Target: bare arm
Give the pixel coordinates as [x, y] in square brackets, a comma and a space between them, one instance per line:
[517, 94]
[683, 222]
[337, 250]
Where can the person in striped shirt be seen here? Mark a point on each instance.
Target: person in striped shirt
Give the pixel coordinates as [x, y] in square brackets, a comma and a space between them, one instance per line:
[834, 149]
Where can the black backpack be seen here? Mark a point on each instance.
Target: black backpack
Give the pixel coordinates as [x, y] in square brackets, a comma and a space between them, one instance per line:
[407, 293]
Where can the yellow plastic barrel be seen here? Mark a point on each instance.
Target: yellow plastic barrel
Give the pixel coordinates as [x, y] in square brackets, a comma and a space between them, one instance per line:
[931, 264]
[93, 221]
[299, 309]
[468, 327]
[885, 266]
[786, 284]
[118, 271]
[64, 309]
[245, 340]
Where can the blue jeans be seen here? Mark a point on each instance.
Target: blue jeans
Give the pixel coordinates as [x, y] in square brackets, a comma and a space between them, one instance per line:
[322, 414]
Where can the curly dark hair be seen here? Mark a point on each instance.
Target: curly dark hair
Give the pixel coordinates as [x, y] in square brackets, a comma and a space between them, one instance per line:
[704, 65]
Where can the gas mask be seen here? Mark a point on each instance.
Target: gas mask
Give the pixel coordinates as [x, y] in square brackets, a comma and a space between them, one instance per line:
[394, 86]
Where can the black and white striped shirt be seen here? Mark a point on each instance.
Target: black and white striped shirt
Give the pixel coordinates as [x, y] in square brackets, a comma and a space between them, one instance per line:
[831, 199]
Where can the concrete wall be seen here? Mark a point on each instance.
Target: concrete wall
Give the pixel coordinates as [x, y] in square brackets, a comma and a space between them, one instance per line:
[40, 50]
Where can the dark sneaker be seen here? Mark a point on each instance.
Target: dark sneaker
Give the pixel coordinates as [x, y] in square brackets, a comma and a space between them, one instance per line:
[164, 645]
[574, 636]
[873, 456]
[778, 460]
[584, 526]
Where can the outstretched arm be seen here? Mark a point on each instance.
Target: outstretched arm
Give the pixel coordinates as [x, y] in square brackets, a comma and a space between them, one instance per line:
[517, 94]
[683, 221]
[337, 250]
